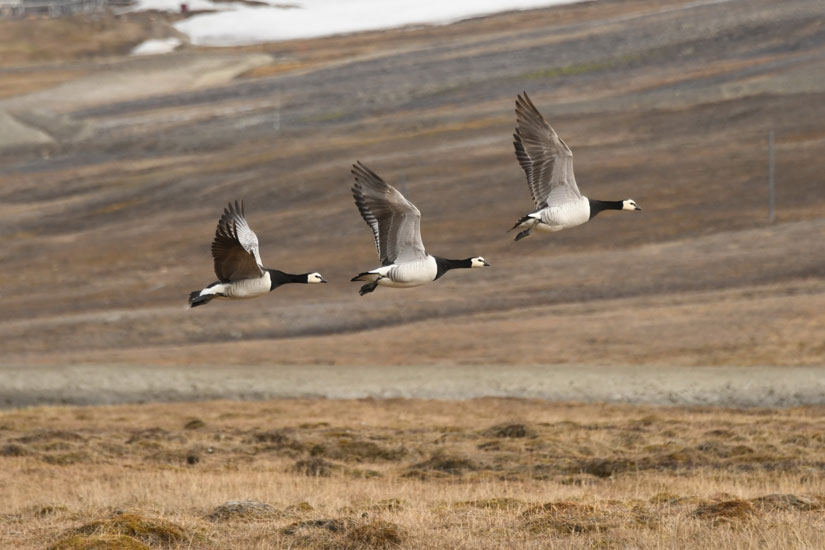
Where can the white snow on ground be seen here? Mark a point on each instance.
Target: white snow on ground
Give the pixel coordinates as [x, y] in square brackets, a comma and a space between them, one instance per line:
[239, 24]
[174, 5]
[156, 46]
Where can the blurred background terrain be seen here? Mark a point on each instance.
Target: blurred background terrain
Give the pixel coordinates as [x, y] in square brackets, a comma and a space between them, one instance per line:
[115, 169]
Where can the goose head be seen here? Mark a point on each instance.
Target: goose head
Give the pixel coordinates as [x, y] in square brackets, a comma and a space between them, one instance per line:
[315, 278]
[630, 204]
[478, 261]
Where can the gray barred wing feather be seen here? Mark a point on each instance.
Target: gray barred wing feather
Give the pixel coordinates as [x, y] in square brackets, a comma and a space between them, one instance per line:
[546, 159]
[395, 221]
[235, 247]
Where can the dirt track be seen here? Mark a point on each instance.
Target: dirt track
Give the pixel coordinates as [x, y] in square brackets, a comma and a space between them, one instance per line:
[711, 386]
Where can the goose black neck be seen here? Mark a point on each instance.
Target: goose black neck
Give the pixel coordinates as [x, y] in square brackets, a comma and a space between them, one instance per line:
[444, 265]
[597, 206]
[278, 278]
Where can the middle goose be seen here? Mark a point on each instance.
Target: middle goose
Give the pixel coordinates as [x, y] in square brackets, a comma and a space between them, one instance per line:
[396, 226]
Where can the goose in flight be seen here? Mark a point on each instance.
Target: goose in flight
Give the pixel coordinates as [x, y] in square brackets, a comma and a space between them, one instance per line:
[396, 226]
[548, 164]
[238, 264]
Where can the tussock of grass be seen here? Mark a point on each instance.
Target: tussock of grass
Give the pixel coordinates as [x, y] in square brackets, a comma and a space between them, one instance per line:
[448, 464]
[278, 440]
[155, 434]
[376, 535]
[566, 518]
[333, 525]
[99, 542]
[194, 424]
[608, 467]
[725, 511]
[148, 530]
[314, 466]
[14, 449]
[497, 503]
[346, 534]
[246, 510]
[509, 430]
[64, 459]
[389, 504]
[786, 502]
[360, 450]
[51, 436]
[43, 510]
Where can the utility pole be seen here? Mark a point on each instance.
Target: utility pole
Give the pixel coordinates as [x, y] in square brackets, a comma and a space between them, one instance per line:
[770, 175]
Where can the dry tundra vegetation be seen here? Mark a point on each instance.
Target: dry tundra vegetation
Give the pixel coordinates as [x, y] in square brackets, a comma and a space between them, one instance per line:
[370, 474]
[667, 102]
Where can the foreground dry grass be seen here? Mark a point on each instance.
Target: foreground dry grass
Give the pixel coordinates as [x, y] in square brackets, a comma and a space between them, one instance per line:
[487, 473]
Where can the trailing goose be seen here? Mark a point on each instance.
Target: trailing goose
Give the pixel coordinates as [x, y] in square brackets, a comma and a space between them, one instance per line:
[396, 226]
[238, 265]
[548, 164]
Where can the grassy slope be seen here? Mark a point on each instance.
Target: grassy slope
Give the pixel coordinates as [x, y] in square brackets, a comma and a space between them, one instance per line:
[658, 106]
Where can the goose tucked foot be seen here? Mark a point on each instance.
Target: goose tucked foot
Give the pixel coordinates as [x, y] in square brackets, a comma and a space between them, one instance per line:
[525, 233]
[195, 298]
[529, 223]
[367, 288]
[523, 221]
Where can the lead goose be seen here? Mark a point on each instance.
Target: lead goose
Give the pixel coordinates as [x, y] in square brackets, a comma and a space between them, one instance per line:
[548, 164]
[396, 226]
[238, 265]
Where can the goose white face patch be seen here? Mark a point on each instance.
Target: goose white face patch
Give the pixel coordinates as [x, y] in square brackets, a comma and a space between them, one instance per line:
[315, 278]
[630, 204]
[478, 262]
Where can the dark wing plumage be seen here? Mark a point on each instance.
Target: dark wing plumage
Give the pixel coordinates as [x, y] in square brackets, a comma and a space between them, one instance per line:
[545, 158]
[395, 221]
[235, 247]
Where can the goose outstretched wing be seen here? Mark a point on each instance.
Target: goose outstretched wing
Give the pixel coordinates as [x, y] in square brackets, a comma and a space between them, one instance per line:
[395, 221]
[545, 158]
[235, 248]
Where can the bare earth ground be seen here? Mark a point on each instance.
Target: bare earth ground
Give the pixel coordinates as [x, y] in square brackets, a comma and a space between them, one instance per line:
[112, 188]
[725, 386]
[372, 474]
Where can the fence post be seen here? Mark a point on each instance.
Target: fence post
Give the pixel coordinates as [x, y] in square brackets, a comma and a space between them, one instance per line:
[770, 175]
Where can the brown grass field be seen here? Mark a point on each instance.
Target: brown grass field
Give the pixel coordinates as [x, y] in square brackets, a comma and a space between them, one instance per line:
[367, 474]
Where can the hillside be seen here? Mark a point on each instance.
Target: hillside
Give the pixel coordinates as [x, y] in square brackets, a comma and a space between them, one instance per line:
[115, 170]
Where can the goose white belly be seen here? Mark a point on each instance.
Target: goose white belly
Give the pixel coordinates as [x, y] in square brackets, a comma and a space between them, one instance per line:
[407, 274]
[245, 288]
[563, 216]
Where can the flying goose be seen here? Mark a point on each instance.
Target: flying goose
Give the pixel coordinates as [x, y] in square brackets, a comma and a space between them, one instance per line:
[396, 226]
[548, 164]
[238, 265]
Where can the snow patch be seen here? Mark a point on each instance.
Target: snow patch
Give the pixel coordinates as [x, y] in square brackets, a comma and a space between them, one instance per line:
[238, 24]
[156, 46]
[175, 5]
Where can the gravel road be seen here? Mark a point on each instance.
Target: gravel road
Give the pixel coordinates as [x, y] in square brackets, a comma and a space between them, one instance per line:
[711, 386]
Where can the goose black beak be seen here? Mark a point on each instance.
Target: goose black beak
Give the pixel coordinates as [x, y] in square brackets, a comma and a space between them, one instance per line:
[486, 263]
[323, 280]
[638, 207]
